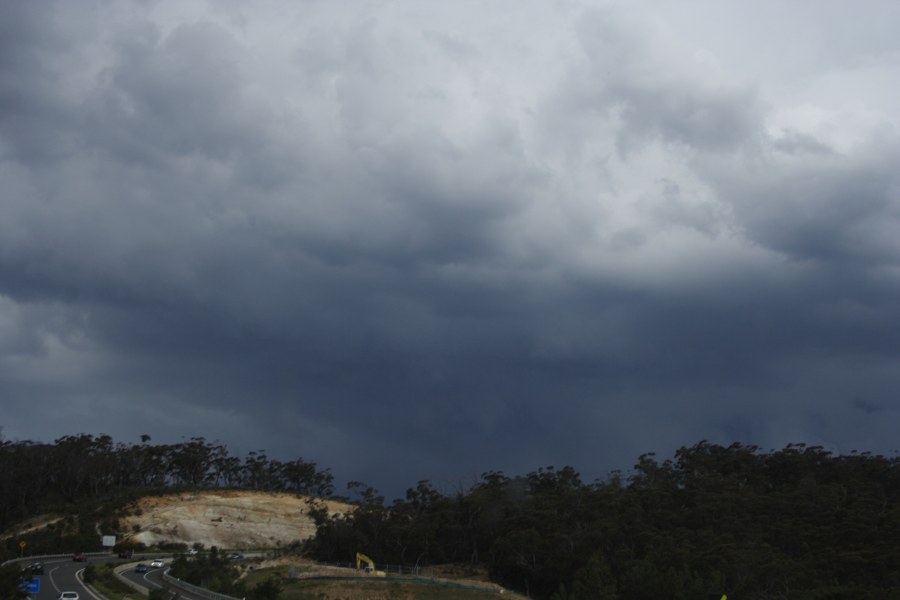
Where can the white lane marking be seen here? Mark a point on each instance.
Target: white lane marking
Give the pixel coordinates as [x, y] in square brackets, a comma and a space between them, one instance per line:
[52, 582]
[150, 581]
[86, 589]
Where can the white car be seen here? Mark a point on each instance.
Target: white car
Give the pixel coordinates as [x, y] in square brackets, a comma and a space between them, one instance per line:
[68, 596]
[157, 564]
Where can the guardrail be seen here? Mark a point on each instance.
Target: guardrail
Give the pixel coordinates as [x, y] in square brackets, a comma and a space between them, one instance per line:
[418, 580]
[41, 557]
[195, 589]
[414, 574]
[117, 572]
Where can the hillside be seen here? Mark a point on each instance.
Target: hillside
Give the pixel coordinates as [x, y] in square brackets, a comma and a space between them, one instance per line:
[222, 518]
[245, 519]
[234, 519]
[798, 521]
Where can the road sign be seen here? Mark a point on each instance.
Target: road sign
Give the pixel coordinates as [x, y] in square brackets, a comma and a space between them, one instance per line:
[22, 544]
[31, 587]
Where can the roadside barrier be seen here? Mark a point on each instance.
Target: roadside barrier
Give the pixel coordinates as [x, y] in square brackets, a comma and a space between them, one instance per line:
[135, 586]
[417, 580]
[195, 589]
[420, 575]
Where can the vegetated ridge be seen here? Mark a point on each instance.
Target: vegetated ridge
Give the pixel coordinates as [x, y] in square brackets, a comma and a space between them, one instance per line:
[759, 525]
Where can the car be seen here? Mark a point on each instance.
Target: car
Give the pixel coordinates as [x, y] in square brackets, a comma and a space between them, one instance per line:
[68, 596]
[35, 568]
[192, 552]
[79, 557]
[235, 556]
[126, 553]
[140, 568]
[157, 563]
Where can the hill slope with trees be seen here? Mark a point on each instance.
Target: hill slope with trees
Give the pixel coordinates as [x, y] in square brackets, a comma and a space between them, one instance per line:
[798, 522]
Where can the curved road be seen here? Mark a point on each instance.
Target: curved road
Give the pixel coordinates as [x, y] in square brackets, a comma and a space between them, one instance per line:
[60, 575]
[153, 578]
[63, 575]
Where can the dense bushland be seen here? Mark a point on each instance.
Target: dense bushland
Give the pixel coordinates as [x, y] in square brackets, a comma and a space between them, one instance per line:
[794, 523]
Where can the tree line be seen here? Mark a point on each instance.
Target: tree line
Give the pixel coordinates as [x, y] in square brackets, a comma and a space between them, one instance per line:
[799, 522]
[794, 523]
[37, 477]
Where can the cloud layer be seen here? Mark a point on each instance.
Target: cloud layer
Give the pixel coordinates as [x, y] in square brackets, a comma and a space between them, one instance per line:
[414, 240]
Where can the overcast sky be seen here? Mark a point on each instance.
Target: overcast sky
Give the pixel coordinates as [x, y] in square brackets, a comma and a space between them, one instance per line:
[425, 239]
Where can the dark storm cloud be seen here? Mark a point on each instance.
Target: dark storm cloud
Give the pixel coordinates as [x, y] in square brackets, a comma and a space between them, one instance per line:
[407, 252]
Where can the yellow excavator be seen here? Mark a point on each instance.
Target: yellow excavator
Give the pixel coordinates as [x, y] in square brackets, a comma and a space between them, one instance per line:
[370, 565]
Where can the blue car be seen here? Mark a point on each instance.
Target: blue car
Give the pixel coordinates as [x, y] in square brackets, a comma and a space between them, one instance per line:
[140, 568]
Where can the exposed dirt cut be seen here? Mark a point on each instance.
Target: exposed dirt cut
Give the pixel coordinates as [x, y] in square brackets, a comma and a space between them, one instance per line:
[223, 518]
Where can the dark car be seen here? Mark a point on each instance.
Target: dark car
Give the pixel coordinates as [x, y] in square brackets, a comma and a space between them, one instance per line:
[33, 568]
[79, 557]
[126, 553]
[141, 568]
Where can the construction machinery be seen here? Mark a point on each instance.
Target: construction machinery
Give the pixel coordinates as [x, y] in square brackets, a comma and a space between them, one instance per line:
[370, 565]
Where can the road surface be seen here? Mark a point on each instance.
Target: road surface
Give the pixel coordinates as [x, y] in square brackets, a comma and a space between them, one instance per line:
[64, 575]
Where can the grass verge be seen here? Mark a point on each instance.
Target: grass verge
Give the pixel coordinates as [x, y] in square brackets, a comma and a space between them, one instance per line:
[102, 578]
[366, 589]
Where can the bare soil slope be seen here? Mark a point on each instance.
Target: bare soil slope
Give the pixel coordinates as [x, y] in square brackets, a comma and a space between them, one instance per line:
[222, 518]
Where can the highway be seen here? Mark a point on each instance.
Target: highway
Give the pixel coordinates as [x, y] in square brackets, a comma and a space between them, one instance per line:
[59, 576]
[62, 574]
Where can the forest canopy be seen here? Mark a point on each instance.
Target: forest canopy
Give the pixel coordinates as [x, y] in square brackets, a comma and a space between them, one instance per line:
[800, 522]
